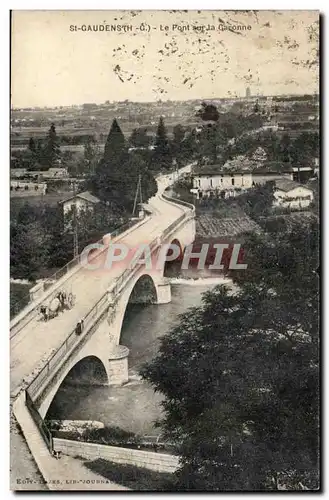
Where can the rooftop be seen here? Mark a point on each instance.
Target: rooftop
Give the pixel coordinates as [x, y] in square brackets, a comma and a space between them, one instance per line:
[287, 185]
[218, 170]
[85, 195]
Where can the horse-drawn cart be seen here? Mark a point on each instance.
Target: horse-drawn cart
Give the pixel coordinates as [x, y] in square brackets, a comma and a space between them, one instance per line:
[57, 304]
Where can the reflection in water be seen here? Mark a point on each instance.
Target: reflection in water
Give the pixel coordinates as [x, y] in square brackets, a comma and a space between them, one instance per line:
[134, 406]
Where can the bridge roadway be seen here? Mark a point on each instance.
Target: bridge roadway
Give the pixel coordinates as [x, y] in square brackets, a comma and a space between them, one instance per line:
[38, 339]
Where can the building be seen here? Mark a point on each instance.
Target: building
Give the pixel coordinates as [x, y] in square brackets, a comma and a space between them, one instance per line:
[248, 93]
[210, 181]
[51, 173]
[82, 201]
[27, 188]
[261, 176]
[17, 173]
[303, 174]
[56, 173]
[290, 194]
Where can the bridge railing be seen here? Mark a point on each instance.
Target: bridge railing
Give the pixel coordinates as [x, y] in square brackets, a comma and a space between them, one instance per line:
[72, 340]
[44, 431]
[178, 201]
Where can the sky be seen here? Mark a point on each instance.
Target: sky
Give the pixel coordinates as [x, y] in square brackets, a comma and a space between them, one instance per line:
[167, 55]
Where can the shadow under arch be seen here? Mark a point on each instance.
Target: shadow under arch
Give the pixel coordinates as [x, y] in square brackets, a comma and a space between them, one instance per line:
[144, 291]
[86, 373]
[143, 295]
[172, 267]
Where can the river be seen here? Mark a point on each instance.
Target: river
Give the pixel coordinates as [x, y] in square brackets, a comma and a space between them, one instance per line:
[134, 406]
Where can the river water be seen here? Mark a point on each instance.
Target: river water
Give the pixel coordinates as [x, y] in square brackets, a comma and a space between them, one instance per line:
[134, 406]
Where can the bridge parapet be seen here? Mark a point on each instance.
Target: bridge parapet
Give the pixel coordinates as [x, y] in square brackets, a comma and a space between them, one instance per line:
[65, 349]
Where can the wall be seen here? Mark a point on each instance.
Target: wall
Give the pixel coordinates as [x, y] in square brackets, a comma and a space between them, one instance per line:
[27, 188]
[223, 181]
[266, 177]
[80, 204]
[159, 462]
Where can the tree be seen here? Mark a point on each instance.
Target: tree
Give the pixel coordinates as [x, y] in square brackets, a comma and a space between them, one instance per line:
[177, 143]
[178, 133]
[32, 146]
[115, 145]
[305, 148]
[162, 154]
[116, 176]
[139, 138]
[208, 112]
[285, 147]
[240, 374]
[258, 201]
[28, 250]
[51, 153]
[108, 177]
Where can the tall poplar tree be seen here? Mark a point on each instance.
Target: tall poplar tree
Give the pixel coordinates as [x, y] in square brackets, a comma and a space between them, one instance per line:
[52, 149]
[162, 153]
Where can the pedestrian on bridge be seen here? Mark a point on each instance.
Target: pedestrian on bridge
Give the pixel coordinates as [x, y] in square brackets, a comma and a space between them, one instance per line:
[79, 327]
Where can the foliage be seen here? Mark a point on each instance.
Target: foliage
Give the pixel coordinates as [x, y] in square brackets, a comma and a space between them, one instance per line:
[162, 152]
[19, 297]
[40, 240]
[28, 249]
[139, 138]
[299, 151]
[208, 112]
[177, 144]
[51, 152]
[257, 202]
[116, 176]
[115, 145]
[240, 373]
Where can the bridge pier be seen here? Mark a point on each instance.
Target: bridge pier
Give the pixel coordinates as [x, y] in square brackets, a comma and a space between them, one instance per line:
[163, 292]
[117, 367]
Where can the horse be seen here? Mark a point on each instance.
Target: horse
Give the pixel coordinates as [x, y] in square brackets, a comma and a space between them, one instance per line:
[54, 307]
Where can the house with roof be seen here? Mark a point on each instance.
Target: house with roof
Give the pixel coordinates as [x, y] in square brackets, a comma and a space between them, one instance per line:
[82, 202]
[289, 194]
[213, 180]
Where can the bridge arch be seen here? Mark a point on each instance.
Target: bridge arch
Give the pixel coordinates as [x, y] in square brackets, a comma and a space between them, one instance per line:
[171, 267]
[90, 369]
[143, 288]
[143, 291]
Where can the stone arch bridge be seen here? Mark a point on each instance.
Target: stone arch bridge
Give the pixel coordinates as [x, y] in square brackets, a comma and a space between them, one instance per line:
[99, 343]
